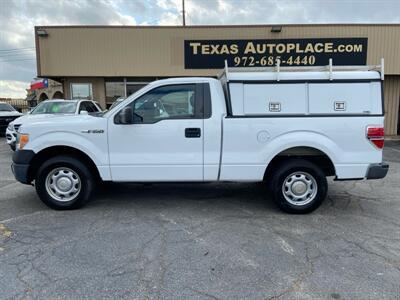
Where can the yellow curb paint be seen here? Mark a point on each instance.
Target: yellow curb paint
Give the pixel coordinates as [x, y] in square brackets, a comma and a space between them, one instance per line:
[4, 231]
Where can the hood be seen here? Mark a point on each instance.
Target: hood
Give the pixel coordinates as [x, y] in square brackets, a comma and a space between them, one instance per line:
[10, 113]
[55, 121]
[30, 118]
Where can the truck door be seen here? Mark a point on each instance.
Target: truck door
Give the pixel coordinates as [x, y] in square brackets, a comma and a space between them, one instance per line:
[165, 141]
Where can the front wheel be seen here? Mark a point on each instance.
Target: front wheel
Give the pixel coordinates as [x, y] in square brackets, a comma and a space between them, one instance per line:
[64, 182]
[299, 186]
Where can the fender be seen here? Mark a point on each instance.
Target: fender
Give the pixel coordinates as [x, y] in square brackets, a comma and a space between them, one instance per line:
[296, 138]
[261, 158]
[95, 149]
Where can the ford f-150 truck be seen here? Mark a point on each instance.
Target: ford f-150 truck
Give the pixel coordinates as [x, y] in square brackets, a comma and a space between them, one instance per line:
[290, 129]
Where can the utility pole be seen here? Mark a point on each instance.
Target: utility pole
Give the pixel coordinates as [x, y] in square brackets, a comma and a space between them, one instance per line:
[183, 13]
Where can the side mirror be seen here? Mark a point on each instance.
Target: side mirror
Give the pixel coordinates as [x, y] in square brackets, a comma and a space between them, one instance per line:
[83, 112]
[126, 115]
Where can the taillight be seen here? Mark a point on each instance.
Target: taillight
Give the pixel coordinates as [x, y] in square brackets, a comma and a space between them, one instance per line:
[376, 135]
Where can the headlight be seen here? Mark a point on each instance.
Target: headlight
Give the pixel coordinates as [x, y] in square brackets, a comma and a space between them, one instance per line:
[22, 140]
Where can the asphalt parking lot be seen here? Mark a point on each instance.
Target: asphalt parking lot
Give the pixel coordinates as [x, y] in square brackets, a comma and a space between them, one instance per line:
[213, 241]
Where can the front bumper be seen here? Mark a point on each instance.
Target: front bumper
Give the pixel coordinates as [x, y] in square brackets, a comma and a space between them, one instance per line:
[21, 173]
[21, 163]
[377, 171]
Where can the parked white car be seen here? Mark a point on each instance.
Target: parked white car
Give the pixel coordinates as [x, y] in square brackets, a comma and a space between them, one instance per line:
[7, 115]
[288, 129]
[50, 108]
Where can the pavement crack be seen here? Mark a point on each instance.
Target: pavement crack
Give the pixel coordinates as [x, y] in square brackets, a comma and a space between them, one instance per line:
[393, 263]
[201, 293]
[296, 284]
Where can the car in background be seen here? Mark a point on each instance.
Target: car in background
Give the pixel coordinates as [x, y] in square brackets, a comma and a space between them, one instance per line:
[7, 115]
[51, 108]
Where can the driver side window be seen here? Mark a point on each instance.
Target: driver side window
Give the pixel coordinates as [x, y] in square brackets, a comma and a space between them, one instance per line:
[167, 102]
[82, 107]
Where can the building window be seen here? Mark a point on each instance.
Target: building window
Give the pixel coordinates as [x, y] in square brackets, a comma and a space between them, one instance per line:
[133, 87]
[114, 90]
[81, 91]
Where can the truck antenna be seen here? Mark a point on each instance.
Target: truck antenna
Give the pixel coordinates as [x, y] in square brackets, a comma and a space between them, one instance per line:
[226, 70]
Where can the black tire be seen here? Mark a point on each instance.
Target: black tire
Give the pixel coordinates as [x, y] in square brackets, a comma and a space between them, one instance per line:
[12, 146]
[86, 182]
[293, 168]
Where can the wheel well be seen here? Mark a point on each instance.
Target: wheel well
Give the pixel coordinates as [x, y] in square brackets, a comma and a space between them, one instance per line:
[50, 152]
[310, 154]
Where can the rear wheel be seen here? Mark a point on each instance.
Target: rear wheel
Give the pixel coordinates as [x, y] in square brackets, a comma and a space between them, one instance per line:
[299, 186]
[64, 182]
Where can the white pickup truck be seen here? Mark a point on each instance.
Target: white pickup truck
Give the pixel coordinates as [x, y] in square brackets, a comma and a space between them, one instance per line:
[288, 128]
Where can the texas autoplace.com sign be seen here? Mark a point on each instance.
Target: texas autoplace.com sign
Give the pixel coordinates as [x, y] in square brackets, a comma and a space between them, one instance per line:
[211, 54]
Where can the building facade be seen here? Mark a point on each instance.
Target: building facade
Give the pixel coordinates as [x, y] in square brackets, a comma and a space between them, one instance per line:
[108, 62]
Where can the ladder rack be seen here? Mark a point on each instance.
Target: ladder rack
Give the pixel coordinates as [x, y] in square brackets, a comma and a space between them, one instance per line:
[329, 68]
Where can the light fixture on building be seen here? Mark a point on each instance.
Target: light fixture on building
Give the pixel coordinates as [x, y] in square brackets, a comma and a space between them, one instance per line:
[276, 28]
[42, 33]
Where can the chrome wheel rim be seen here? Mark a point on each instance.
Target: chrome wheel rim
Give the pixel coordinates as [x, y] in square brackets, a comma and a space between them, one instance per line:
[63, 184]
[299, 188]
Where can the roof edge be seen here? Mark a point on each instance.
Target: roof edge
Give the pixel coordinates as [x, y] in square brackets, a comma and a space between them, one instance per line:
[217, 26]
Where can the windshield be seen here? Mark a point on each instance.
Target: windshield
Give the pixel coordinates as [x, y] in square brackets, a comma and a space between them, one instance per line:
[6, 107]
[59, 107]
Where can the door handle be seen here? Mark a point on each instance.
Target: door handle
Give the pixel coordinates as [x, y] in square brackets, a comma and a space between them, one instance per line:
[192, 132]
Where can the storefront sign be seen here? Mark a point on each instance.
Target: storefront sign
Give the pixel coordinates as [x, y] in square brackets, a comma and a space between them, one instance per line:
[211, 54]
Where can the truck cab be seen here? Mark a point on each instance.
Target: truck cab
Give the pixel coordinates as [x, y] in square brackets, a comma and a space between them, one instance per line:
[290, 130]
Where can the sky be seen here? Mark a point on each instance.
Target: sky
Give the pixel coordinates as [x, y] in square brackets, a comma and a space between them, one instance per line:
[18, 18]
